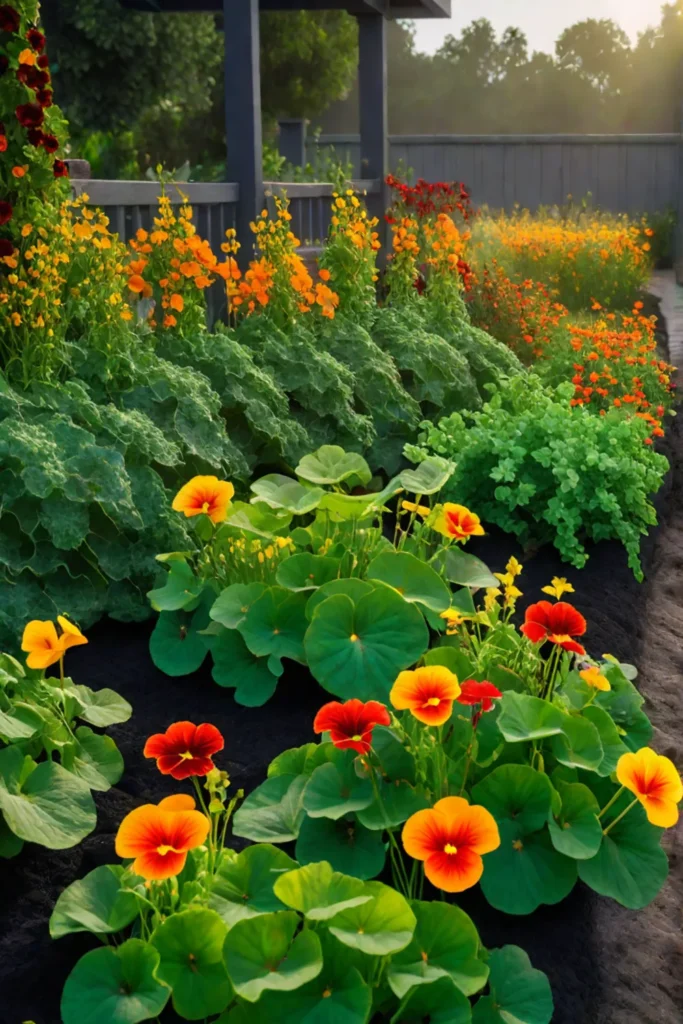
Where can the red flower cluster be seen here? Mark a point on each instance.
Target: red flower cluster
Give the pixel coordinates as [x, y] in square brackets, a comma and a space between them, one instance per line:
[428, 197]
[9, 19]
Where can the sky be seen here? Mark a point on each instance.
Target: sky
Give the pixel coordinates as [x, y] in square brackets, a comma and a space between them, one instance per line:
[541, 20]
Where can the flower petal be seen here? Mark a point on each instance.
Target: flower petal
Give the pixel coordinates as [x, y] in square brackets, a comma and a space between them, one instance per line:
[422, 834]
[454, 872]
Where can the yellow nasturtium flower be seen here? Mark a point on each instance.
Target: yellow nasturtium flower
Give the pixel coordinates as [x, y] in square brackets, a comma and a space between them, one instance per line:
[557, 587]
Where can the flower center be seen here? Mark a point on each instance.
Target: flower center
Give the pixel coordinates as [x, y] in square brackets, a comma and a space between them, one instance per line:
[187, 755]
[356, 738]
[205, 507]
[163, 850]
[559, 638]
[432, 702]
[450, 849]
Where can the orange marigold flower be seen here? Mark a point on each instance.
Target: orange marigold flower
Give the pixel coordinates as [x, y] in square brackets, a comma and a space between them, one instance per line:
[185, 749]
[350, 724]
[324, 274]
[557, 623]
[593, 677]
[450, 838]
[136, 283]
[177, 302]
[18, 172]
[427, 692]
[204, 495]
[190, 268]
[654, 780]
[458, 522]
[160, 836]
[169, 320]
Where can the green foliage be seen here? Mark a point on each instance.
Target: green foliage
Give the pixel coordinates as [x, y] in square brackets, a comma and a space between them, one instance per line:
[550, 473]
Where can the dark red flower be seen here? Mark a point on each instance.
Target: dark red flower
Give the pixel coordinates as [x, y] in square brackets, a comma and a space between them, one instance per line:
[30, 76]
[30, 115]
[4, 64]
[44, 97]
[9, 19]
[473, 692]
[3, 143]
[185, 749]
[35, 136]
[51, 143]
[557, 623]
[43, 61]
[60, 169]
[5, 211]
[350, 724]
[36, 39]
[6, 247]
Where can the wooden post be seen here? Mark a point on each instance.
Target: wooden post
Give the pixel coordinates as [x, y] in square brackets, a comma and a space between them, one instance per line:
[372, 99]
[678, 248]
[292, 140]
[243, 114]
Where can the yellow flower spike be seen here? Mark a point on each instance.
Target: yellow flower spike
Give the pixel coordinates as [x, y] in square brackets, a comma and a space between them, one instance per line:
[557, 587]
[491, 598]
[506, 578]
[513, 566]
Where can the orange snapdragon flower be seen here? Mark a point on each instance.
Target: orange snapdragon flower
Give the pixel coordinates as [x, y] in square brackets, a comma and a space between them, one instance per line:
[654, 780]
[44, 646]
[450, 838]
[207, 495]
[457, 522]
[427, 692]
[159, 837]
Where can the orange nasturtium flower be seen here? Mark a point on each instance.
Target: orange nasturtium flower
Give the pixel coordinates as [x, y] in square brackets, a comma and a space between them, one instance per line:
[350, 724]
[557, 623]
[204, 494]
[185, 749]
[44, 646]
[593, 677]
[427, 692]
[654, 780]
[450, 838]
[160, 836]
[458, 522]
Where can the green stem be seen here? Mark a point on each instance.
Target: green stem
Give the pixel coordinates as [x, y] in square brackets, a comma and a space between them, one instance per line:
[618, 818]
[612, 801]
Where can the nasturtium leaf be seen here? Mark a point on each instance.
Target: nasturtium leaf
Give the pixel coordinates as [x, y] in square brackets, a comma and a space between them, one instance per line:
[181, 589]
[94, 758]
[102, 707]
[49, 806]
[638, 731]
[318, 892]
[517, 793]
[235, 665]
[347, 845]
[439, 1003]
[414, 580]
[429, 476]
[114, 986]
[505, 679]
[445, 944]
[397, 802]
[576, 831]
[275, 624]
[490, 741]
[305, 571]
[280, 491]
[612, 744]
[465, 570]
[20, 723]
[335, 790]
[295, 761]
[525, 871]
[232, 604]
[266, 953]
[330, 464]
[623, 701]
[94, 904]
[344, 507]
[382, 926]
[396, 761]
[10, 845]
[258, 519]
[353, 588]
[519, 994]
[176, 645]
[190, 947]
[273, 812]
[578, 745]
[359, 650]
[523, 717]
[630, 865]
[243, 885]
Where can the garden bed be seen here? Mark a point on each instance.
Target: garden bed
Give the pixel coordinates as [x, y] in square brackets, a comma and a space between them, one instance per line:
[606, 965]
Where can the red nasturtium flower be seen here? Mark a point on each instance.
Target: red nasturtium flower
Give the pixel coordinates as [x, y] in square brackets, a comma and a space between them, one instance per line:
[204, 494]
[458, 522]
[654, 780]
[481, 693]
[185, 749]
[450, 838]
[30, 115]
[5, 211]
[557, 623]
[159, 836]
[9, 18]
[350, 724]
[427, 692]
[60, 169]
[6, 247]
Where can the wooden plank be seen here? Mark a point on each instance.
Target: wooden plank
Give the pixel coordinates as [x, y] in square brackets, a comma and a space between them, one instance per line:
[373, 110]
[140, 193]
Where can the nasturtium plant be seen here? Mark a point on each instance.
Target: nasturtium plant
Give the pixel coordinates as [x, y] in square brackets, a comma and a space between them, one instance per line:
[305, 572]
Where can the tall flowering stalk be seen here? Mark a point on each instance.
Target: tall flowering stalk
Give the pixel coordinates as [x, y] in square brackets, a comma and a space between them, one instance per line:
[349, 259]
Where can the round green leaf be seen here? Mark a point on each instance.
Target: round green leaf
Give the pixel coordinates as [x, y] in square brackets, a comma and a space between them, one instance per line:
[353, 588]
[396, 761]
[243, 885]
[575, 829]
[114, 986]
[517, 793]
[48, 806]
[414, 580]
[235, 665]
[465, 570]
[257, 519]
[295, 761]
[102, 708]
[397, 802]
[280, 491]
[176, 646]
[10, 845]
[305, 571]
[318, 892]
[429, 477]
[523, 717]
[445, 944]
[335, 789]
[94, 904]
[357, 651]
[180, 590]
[612, 744]
[347, 845]
[275, 624]
[439, 1003]
[190, 947]
[232, 604]
[94, 758]
[330, 464]
[273, 812]
[519, 993]
[525, 871]
[264, 953]
[578, 745]
[382, 926]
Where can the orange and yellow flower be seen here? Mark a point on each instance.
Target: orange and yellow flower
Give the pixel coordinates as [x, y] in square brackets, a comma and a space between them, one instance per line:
[457, 522]
[205, 495]
[594, 678]
[450, 838]
[159, 836]
[427, 692]
[44, 646]
[654, 780]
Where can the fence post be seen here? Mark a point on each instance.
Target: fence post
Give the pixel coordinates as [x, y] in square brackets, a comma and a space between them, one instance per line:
[678, 250]
[292, 140]
[243, 114]
[374, 117]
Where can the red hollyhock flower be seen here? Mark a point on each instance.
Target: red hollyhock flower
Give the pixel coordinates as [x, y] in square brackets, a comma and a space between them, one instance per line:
[484, 693]
[35, 136]
[185, 749]
[44, 97]
[9, 19]
[51, 143]
[350, 724]
[30, 115]
[30, 76]
[36, 39]
[60, 169]
[557, 623]
[5, 211]
[6, 247]
[43, 61]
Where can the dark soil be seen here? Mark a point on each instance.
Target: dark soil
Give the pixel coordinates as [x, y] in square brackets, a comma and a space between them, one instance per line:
[606, 965]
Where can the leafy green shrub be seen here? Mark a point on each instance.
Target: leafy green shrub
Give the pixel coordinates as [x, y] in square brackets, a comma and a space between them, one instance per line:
[546, 472]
